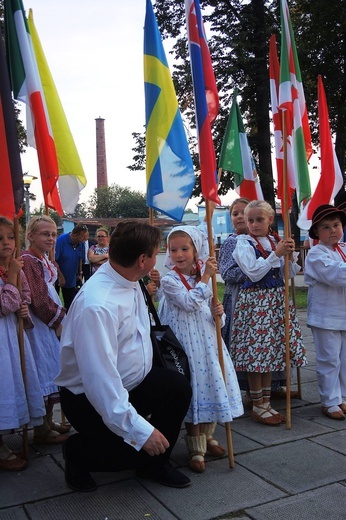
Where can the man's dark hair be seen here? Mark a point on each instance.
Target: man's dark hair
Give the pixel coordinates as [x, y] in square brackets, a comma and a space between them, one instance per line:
[130, 239]
[79, 228]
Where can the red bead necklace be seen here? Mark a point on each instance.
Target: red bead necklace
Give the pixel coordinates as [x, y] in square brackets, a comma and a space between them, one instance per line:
[261, 249]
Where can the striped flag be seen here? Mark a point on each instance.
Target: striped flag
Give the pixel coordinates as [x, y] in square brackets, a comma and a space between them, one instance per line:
[236, 156]
[206, 97]
[26, 86]
[71, 174]
[331, 179]
[169, 167]
[274, 76]
[292, 102]
[11, 175]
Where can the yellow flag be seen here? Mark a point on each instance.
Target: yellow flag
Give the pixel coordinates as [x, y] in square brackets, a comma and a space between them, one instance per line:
[71, 174]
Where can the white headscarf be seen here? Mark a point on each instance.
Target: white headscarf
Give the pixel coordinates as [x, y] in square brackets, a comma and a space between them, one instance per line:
[199, 238]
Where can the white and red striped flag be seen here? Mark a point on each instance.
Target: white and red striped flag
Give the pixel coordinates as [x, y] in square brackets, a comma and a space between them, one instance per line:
[331, 179]
[292, 103]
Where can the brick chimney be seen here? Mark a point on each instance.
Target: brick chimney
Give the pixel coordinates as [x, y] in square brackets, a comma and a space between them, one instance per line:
[101, 161]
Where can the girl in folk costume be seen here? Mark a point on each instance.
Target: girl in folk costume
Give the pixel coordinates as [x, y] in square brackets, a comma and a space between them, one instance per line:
[234, 278]
[47, 314]
[21, 401]
[188, 308]
[325, 275]
[258, 336]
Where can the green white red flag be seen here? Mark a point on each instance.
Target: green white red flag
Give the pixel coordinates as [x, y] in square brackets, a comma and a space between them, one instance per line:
[236, 156]
[27, 87]
[331, 179]
[292, 103]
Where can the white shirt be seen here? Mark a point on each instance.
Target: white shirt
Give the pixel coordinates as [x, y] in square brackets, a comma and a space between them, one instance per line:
[325, 275]
[256, 268]
[106, 351]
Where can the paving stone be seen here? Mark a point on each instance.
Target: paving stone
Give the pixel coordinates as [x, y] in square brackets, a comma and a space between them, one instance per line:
[122, 501]
[324, 504]
[14, 513]
[42, 478]
[215, 493]
[335, 441]
[271, 435]
[296, 466]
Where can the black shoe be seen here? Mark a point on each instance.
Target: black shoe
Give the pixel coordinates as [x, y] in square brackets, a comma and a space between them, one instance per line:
[167, 476]
[76, 478]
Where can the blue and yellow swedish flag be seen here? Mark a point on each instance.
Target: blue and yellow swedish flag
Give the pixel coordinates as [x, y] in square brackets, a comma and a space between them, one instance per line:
[169, 168]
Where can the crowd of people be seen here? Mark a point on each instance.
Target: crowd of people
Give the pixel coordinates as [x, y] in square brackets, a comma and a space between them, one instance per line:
[88, 345]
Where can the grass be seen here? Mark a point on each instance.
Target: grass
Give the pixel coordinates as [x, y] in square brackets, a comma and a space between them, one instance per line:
[300, 295]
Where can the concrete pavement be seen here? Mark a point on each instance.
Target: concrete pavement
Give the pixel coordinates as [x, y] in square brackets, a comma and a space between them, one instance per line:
[279, 473]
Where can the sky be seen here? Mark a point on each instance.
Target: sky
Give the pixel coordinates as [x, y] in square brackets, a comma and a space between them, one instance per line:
[95, 54]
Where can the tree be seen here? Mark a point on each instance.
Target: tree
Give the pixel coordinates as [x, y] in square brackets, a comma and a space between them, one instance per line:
[115, 201]
[239, 43]
[321, 42]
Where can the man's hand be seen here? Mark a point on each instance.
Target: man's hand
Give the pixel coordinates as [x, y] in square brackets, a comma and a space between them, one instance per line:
[156, 444]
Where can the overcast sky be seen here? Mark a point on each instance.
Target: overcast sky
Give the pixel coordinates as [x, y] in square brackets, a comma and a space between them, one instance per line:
[95, 54]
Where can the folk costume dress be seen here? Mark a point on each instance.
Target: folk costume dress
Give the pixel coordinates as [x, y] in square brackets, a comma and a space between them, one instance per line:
[258, 336]
[47, 313]
[19, 404]
[234, 278]
[185, 307]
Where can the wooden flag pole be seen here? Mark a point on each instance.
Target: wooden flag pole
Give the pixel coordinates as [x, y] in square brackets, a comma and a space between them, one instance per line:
[21, 340]
[299, 379]
[287, 234]
[218, 328]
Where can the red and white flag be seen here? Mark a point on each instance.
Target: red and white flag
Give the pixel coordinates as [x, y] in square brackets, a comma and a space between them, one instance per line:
[331, 179]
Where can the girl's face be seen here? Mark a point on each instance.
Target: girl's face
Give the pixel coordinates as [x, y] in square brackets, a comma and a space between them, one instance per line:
[182, 253]
[258, 222]
[44, 238]
[7, 243]
[238, 219]
[330, 231]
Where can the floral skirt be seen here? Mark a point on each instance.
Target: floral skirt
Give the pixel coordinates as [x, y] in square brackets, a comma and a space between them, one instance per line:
[258, 336]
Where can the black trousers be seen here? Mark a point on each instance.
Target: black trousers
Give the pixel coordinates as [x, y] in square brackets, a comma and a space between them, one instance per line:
[68, 293]
[163, 394]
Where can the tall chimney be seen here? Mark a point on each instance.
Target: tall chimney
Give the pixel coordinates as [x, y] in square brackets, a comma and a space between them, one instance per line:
[101, 161]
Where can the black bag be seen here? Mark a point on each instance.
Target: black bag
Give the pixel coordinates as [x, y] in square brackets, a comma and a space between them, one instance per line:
[167, 350]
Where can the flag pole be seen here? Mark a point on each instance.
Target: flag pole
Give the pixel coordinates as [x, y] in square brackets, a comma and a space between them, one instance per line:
[218, 328]
[287, 234]
[21, 339]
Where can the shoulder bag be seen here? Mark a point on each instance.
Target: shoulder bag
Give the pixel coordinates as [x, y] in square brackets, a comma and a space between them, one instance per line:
[167, 350]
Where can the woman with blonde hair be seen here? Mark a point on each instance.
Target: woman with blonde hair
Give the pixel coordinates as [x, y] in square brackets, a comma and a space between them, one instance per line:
[98, 254]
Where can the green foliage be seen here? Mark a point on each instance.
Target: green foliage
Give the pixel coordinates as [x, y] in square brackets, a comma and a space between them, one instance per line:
[115, 201]
[238, 38]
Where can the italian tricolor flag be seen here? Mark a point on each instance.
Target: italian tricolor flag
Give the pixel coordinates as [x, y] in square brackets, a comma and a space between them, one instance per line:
[27, 87]
[292, 103]
[236, 156]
